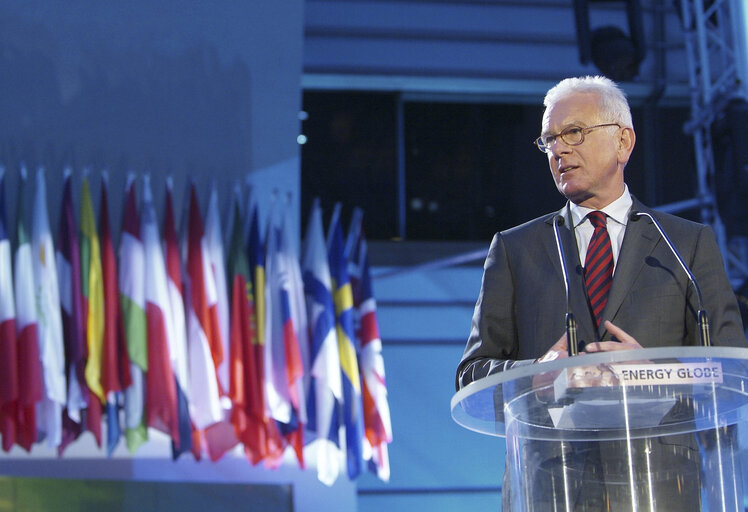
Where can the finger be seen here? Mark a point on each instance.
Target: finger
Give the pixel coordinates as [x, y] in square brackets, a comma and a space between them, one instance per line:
[609, 346]
[606, 346]
[561, 344]
[597, 346]
[591, 347]
[619, 333]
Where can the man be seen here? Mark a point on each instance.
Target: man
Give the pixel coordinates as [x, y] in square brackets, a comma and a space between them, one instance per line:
[588, 136]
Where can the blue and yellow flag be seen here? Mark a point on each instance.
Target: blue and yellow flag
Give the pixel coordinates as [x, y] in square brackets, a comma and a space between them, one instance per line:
[343, 299]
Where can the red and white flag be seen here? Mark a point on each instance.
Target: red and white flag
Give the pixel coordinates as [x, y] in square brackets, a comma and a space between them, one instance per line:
[217, 259]
[31, 383]
[8, 348]
[203, 335]
[161, 393]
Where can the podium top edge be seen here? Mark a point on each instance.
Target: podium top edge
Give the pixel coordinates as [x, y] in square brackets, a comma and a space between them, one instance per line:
[619, 356]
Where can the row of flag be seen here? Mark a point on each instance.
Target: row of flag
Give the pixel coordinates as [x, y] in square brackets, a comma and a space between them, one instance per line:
[256, 347]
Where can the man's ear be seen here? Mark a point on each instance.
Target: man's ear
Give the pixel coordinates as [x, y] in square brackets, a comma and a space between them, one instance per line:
[626, 142]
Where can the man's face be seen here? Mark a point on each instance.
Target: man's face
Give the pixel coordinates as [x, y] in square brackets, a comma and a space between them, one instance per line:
[591, 173]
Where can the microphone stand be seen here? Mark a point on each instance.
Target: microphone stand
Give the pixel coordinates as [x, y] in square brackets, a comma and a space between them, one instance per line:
[701, 316]
[571, 321]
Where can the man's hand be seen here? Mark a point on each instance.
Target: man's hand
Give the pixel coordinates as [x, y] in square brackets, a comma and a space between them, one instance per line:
[585, 376]
[625, 341]
[559, 350]
[542, 383]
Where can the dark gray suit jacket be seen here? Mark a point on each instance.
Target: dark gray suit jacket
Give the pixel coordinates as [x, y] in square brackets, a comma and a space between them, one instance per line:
[521, 308]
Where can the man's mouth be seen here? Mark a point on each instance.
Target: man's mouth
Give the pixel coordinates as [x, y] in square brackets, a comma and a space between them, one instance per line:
[566, 168]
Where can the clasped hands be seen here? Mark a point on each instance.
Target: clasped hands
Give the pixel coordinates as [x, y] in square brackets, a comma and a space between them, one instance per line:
[625, 341]
[584, 376]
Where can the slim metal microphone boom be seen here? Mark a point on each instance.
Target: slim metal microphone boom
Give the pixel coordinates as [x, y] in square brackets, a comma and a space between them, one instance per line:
[701, 315]
[571, 321]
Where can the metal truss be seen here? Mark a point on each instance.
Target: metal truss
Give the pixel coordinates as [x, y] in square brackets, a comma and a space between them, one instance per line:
[716, 55]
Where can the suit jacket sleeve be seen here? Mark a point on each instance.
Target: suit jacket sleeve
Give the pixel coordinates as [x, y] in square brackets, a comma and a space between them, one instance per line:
[492, 344]
[719, 298]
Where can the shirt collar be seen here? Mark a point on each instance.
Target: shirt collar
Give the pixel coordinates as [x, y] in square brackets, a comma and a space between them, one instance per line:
[618, 210]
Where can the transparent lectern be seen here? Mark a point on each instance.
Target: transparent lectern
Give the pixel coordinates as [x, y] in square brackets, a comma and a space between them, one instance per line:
[654, 429]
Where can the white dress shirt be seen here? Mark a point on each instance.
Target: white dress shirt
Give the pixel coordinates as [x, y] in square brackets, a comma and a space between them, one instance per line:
[617, 216]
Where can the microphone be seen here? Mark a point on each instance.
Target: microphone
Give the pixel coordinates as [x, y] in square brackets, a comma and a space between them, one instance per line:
[701, 315]
[571, 321]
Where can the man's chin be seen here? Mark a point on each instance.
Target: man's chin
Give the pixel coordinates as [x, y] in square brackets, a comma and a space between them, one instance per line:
[572, 193]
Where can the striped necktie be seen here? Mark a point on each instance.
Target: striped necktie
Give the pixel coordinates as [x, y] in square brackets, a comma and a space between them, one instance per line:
[598, 266]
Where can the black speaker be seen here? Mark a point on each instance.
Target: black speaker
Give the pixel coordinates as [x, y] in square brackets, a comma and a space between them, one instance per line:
[614, 52]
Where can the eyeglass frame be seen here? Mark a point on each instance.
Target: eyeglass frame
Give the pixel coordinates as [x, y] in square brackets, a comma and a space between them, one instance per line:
[546, 148]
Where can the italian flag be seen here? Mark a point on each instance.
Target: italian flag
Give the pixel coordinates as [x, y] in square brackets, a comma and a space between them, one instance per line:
[132, 302]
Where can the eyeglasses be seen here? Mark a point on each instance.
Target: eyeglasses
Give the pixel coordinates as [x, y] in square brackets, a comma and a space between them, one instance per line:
[571, 135]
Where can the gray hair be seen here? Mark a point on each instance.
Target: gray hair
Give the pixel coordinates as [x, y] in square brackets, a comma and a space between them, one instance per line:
[614, 107]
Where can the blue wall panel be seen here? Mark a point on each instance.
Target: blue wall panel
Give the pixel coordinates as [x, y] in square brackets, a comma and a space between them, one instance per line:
[430, 453]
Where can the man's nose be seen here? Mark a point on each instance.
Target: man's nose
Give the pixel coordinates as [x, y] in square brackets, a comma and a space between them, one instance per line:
[559, 147]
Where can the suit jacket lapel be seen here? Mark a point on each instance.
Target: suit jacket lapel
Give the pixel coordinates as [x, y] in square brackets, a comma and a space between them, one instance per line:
[639, 241]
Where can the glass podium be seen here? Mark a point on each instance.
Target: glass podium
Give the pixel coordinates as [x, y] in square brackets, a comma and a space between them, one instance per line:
[654, 429]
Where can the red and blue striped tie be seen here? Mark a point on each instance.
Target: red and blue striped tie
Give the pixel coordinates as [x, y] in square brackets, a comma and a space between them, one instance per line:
[598, 266]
